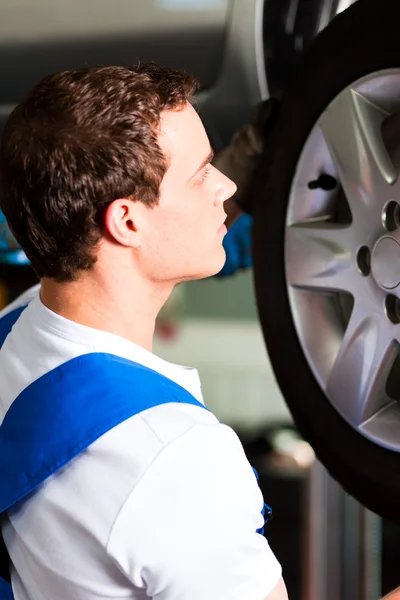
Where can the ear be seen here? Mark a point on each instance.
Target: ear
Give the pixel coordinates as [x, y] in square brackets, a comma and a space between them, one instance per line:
[120, 222]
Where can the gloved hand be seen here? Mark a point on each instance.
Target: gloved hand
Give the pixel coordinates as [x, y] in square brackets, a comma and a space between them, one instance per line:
[237, 244]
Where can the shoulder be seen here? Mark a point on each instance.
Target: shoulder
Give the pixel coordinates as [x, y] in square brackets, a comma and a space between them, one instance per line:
[200, 461]
[126, 452]
[189, 525]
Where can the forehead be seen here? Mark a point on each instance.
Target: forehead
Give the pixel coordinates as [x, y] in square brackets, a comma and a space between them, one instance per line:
[182, 136]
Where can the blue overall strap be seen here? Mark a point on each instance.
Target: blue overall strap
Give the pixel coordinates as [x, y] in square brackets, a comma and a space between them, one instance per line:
[60, 414]
[7, 322]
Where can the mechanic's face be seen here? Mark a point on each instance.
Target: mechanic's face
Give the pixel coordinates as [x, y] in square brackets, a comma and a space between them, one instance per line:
[182, 235]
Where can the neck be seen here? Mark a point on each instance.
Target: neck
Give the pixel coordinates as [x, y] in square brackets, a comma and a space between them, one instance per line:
[109, 302]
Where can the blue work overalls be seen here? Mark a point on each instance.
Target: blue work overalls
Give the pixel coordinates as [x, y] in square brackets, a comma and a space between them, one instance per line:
[60, 414]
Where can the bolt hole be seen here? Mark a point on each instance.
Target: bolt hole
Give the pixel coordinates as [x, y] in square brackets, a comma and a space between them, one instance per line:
[391, 216]
[364, 261]
[324, 182]
[392, 307]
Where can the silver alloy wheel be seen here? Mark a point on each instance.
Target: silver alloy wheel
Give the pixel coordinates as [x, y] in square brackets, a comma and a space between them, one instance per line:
[342, 256]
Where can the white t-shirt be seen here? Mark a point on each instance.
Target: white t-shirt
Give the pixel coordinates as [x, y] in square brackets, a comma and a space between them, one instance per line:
[165, 505]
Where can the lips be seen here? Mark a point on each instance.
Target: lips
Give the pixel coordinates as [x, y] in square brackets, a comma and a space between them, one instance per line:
[222, 229]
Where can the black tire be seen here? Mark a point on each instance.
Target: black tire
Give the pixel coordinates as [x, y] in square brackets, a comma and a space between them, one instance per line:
[363, 39]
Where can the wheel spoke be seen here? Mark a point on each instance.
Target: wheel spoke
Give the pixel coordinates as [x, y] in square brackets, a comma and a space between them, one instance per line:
[343, 200]
[352, 129]
[384, 425]
[357, 383]
[318, 257]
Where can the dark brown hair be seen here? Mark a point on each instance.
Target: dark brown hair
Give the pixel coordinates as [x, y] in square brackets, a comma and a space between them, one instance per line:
[78, 141]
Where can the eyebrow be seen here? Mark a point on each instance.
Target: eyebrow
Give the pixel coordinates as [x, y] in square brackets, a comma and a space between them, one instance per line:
[204, 163]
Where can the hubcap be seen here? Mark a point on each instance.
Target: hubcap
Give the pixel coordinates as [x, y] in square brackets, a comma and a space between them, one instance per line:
[386, 263]
[342, 255]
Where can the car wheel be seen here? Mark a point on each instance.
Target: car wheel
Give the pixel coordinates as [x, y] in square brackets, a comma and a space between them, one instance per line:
[327, 250]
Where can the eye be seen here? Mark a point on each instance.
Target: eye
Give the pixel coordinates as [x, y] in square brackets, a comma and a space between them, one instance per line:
[205, 174]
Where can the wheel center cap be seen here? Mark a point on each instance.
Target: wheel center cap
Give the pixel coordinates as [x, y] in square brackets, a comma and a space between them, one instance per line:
[385, 263]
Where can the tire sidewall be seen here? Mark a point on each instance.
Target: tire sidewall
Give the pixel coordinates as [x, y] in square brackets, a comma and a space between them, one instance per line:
[341, 55]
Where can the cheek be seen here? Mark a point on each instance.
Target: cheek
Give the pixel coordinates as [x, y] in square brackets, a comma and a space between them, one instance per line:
[170, 233]
[185, 220]
[182, 219]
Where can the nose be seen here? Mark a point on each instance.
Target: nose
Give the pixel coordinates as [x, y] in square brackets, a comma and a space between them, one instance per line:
[226, 188]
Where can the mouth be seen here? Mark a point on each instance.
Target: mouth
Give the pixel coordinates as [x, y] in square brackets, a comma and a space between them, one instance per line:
[223, 230]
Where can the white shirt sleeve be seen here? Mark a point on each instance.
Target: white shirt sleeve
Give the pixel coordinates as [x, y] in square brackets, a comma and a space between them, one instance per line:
[188, 529]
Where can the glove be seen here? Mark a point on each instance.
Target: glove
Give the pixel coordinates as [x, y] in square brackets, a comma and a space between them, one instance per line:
[10, 251]
[239, 160]
[237, 244]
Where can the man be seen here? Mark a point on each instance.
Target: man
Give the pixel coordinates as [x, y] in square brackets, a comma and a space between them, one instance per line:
[107, 185]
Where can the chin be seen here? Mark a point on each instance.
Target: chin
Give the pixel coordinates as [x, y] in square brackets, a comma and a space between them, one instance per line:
[214, 268]
[209, 270]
